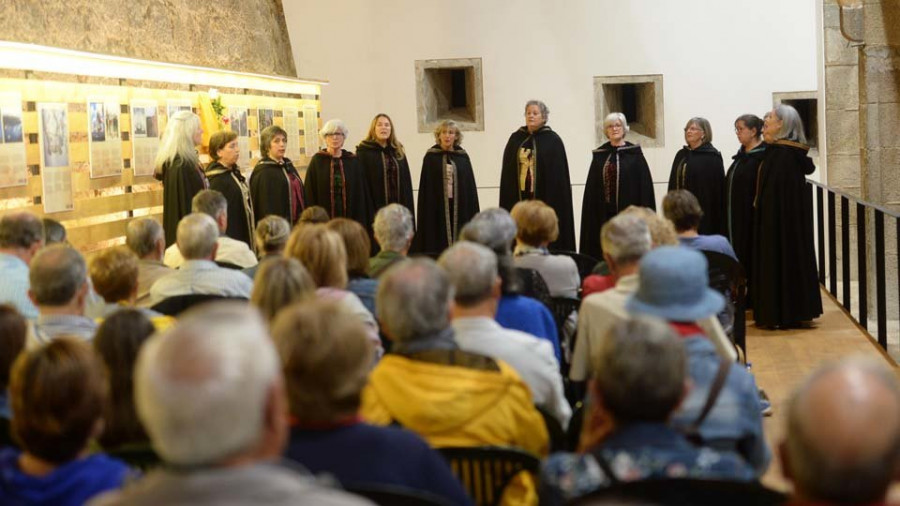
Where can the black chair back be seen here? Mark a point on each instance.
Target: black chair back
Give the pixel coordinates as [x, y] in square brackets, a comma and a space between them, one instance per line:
[485, 471]
[141, 457]
[533, 285]
[726, 276]
[229, 265]
[173, 306]
[554, 431]
[585, 263]
[679, 491]
[573, 433]
[394, 495]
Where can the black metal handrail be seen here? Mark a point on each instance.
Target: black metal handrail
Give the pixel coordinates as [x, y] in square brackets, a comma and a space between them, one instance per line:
[863, 209]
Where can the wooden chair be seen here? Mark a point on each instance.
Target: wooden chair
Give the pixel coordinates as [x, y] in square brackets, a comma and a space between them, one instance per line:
[485, 471]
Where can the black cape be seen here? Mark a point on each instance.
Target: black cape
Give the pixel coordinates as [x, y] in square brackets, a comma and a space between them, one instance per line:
[635, 187]
[702, 172]
[552, 184]
[434, 233]
[232, 184]
[270, 190]
[181, 181]
[785, 280]
[372, 158]
[740, 190]
[320, 187]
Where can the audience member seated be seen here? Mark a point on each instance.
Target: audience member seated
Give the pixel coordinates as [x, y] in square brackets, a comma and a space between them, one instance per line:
[230, 251]
[322, 252]
[13, 331]
[682, 208]
[271, 236]
[210, 395]
[472, 269]
[495, 229]
[117, 343]
[640, 380]
[57, 393]
[54, 232]
[21, 236]
[536, 227]
[313, 215]
[394, 230]
[279, 283]
[358, 245]
[146, 238]
[114, 273]
[674, 285]
[197, 240]
[843, 434]
[59, 288]
[448, 396]
[326, 360]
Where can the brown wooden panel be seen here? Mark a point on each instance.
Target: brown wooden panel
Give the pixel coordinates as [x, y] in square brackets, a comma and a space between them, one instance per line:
[83, 237]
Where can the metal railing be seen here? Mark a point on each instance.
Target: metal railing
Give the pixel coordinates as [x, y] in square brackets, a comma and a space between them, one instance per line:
[826, 220]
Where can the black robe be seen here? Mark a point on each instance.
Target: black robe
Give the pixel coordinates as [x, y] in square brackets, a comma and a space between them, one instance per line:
[551, 179]
[702, 172]
[785, 280]
[181, 181]
[635, 187]
[740, 190]
[320, 188]
[437, 227]
[270, 190]
[232, 184]
[373, 159]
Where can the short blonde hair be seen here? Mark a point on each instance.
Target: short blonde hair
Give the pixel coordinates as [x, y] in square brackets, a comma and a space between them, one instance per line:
[536, 222]
[448, 124]
[662, 231]
[279, 283]
[114, 273]
[325, 358]
[322, 252]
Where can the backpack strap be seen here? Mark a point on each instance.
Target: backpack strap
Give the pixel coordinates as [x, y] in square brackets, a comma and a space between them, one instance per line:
[714, 390]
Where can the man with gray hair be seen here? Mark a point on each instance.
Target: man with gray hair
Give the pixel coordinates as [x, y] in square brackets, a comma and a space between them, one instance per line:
[843, 434]
[210, 394]
[199, 275]
[472, 269]
[59, 289]
[230, 251]
[146, 238]
[641, 379]
[394, 229]
[21, 236]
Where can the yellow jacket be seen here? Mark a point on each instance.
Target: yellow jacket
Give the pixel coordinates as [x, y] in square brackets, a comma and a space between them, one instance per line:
[452, 405]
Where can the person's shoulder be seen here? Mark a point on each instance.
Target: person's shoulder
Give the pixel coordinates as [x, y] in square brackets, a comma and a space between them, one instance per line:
[571, 475]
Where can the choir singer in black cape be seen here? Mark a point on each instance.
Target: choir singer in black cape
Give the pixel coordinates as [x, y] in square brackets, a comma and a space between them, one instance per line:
[535, 167]
[275, 184]
[619, 177]
[785, 281]
[698, 168]
[178, 167]
[740, 187]
[226, 178]
[448, 197]
[385, 165]
[335, 180]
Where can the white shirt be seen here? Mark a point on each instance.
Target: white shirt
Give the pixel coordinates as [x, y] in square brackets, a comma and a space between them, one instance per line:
[201, 277]
[230, 251]
[531, 357]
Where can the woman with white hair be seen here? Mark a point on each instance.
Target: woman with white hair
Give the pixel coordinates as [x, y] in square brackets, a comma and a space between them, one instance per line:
[335, 180]
[178, 167]
[535, 167]
[619, 177]
[699, 169]
[784, 277]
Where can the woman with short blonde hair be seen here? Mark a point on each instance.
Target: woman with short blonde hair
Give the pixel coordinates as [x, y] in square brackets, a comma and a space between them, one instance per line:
[279, 283]
[358, 247]
[536, 227]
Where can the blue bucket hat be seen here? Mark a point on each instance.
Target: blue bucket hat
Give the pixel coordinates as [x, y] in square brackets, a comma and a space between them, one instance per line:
[675, 286]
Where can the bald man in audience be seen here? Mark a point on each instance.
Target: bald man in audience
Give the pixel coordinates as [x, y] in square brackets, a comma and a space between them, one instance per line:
[843, 434]
[21, 236]
[146, 238]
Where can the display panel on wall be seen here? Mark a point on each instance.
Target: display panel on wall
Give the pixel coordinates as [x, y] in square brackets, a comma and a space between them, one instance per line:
[84, 152]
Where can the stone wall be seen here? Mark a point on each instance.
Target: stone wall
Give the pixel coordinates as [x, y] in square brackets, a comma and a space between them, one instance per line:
[241, 35]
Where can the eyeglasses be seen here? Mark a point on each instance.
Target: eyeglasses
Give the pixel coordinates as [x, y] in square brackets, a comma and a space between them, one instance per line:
[615, 127]
[335, 134]
[693, 129]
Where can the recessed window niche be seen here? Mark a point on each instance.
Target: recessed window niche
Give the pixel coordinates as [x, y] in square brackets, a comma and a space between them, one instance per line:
[639, 98]
[807, 106]
[449, 89]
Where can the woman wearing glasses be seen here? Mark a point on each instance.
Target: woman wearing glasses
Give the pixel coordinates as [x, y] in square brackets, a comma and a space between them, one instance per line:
[698, 168]
[619, 177]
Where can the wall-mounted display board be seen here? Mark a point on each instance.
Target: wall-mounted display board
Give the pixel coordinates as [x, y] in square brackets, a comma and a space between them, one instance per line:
[80, 148]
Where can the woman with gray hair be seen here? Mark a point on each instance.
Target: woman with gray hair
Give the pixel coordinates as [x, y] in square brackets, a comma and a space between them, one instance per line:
[535, 167]
[275, 184]
[178, 167]
[699, 169]
[335, 179]
[619, 177]
[448, 197]
[784, 276]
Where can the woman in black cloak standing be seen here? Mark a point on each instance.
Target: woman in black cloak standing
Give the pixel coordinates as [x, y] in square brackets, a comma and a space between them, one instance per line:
[384, 162]
[225, 177]
[535, 167]
[698, 168]
[178, 167]
[785, 281]
[275, 184]
[740, 187]
[619, 177]
[448, 197]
